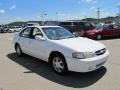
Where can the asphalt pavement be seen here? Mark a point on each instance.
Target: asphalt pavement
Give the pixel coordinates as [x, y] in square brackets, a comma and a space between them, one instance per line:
[28, 73]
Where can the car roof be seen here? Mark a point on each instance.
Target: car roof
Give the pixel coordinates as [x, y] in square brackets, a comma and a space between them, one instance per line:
[103, 24]
[43, 26]
[71, 21]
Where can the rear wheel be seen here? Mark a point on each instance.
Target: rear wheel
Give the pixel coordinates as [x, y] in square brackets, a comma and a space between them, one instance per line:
[18, 50]
[59, 64]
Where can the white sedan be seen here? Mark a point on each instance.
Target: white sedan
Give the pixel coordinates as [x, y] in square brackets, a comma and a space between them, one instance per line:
[60, 48]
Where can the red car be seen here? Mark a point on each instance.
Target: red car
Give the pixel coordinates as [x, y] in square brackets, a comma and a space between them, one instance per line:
[103, 30]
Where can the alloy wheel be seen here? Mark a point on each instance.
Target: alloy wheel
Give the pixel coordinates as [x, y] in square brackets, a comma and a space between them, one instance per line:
[58, 65]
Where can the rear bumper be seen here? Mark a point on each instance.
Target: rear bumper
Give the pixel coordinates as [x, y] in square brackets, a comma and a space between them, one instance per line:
[86, 65]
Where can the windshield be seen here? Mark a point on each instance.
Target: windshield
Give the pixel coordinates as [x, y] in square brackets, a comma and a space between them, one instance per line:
[89, 26]
[99, 27]
[57, 33]
[86, 25]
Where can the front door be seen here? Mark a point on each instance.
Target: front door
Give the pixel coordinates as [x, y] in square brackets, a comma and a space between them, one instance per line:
[38, 47]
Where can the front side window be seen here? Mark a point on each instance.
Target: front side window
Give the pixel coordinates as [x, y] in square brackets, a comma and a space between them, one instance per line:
[109, 27]
[57, 33]
[36, 31]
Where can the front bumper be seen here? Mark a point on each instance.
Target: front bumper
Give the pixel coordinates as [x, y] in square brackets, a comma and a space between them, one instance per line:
[86, 65]
[91, 36]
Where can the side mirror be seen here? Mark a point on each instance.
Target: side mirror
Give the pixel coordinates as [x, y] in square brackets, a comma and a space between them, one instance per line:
[74, 33]
[40, 38]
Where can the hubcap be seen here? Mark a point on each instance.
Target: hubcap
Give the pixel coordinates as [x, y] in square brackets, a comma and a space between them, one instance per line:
[98, 37]
[58, 64]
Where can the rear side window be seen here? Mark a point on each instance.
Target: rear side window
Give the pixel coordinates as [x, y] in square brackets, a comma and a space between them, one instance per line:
[110, 27]
[26, 32]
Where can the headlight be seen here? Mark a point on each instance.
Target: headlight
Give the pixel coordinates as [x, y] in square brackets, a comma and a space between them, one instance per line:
[80, 55]
[89, 54]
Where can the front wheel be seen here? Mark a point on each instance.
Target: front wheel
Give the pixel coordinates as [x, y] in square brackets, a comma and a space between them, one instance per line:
[59, 65]
[98, 37]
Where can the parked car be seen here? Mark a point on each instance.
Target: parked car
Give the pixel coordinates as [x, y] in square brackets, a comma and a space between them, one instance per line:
[1, 30]
[14, 29]
[59, 47]
[11, 29]
[5, 30]
[17, 28]
[32, 24]
[77, 27]
[103, 30]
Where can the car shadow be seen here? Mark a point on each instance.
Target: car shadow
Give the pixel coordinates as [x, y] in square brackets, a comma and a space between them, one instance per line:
[73, 79]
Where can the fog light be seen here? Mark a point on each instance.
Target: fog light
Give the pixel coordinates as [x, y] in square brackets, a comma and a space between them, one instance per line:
[91, 68]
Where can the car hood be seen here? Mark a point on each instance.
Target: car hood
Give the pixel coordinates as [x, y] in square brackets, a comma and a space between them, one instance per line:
[80, 44]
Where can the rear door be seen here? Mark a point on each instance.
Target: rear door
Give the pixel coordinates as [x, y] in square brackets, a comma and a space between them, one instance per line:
[108, 31]
[112, 31]
[24, 39]
[117, 31]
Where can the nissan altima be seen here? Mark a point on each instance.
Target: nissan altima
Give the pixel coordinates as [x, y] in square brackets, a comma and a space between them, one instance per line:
[63, 50]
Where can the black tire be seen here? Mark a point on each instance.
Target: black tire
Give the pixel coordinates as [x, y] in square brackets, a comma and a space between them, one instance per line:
[18, 50]
[61, 68]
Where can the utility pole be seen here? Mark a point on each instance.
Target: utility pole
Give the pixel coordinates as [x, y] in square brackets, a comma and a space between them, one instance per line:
[43, 17]
[98, 15]
[119, 13]
[85, 18]
[57, 16]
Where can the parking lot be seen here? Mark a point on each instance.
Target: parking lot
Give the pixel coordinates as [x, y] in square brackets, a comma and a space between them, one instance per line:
[28, 73]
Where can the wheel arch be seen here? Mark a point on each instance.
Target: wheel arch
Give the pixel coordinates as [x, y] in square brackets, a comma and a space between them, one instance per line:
[53, 53]
[51, 56]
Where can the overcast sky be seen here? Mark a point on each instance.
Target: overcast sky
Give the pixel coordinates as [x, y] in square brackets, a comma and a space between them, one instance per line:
[24, 10]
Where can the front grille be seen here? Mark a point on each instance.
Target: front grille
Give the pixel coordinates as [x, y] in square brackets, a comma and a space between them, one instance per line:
[100, 52]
